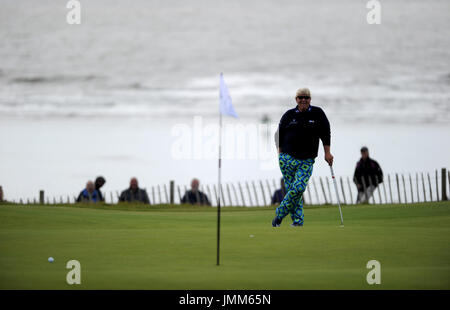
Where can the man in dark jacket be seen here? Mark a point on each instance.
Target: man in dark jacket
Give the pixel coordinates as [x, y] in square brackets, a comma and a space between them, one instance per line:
[297, 139]
[194, 196]
[134, 193]
[368, 175]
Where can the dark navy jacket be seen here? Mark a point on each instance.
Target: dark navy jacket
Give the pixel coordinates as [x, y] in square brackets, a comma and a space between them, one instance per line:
[370, 171]
[193, 198]
[299, 132]
[138, 195]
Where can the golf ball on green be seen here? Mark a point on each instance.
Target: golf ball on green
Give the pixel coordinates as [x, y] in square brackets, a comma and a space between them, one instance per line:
[51, 259]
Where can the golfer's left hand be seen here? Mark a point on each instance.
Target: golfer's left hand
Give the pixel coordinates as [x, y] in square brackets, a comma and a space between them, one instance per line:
[329, 158]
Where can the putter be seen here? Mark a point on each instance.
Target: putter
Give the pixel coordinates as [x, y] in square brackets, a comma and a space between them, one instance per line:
[337, 195]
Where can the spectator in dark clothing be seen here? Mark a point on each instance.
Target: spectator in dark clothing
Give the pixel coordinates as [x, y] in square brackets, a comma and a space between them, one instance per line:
[368, 175]
[99, 182]
[89, 194]
[134, 193]
[279, 194]
[1, 194]
[194, 196]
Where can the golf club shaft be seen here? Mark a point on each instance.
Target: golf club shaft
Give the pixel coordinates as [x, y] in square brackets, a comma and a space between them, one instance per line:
[337, 194]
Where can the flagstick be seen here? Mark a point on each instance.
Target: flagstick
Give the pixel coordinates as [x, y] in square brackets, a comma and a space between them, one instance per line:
[218, 200]
[225, 108]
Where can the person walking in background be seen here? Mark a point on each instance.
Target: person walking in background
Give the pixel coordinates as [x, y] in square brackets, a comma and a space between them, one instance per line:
[99, 182]
[279, 194]
[194, 196]
[297, 140]
[89, 194]
[134, 193]
[368, 175]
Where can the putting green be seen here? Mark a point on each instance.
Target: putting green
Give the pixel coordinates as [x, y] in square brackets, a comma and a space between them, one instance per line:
[174, 247]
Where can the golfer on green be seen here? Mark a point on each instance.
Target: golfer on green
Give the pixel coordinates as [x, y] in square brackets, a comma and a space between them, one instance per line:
[297, 140]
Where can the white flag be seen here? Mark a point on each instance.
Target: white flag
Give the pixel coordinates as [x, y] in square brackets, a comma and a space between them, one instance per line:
[226, 107]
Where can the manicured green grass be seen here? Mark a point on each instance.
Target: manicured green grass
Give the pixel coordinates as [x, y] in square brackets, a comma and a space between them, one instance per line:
[136, 247]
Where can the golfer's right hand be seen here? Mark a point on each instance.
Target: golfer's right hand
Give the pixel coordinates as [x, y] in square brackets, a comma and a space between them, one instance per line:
[329, 158]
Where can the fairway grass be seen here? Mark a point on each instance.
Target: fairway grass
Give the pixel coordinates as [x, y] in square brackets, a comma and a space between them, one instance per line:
[168, 247]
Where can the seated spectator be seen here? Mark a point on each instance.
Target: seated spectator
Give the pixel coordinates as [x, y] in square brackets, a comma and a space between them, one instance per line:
[194, 196]
[99, 182]
[279, 194]
[134, 193]
[89, 194]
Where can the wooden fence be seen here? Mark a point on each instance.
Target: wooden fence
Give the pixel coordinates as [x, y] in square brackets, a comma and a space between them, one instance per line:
[395, 188]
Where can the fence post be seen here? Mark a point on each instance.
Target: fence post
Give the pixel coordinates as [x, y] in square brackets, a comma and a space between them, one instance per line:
[323, 190]
[209, 194]
[172, 192]
[223, 195]
[444, 184]
[329, 190]
[235, 194]
[242, 194]
[350, 192]
[404, 188]
[429, 184]
[378, 189]
[263, 193]
[159, 193]
[384, 191]
[315, 190]
[424, 191]
[390, 188]
[398, 189]
[41, 197]
[371, 186]
[256, 194]
[342, 189]
[308, 192]
[417, 187]
[229, 195]
[437, 186]
[411, 186]
[270, 191]
[215, 194]
[179, 194]
[249, 194]
[166, 194]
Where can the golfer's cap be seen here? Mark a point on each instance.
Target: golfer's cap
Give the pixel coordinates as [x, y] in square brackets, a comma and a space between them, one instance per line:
[303, 92]
[364, 149]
